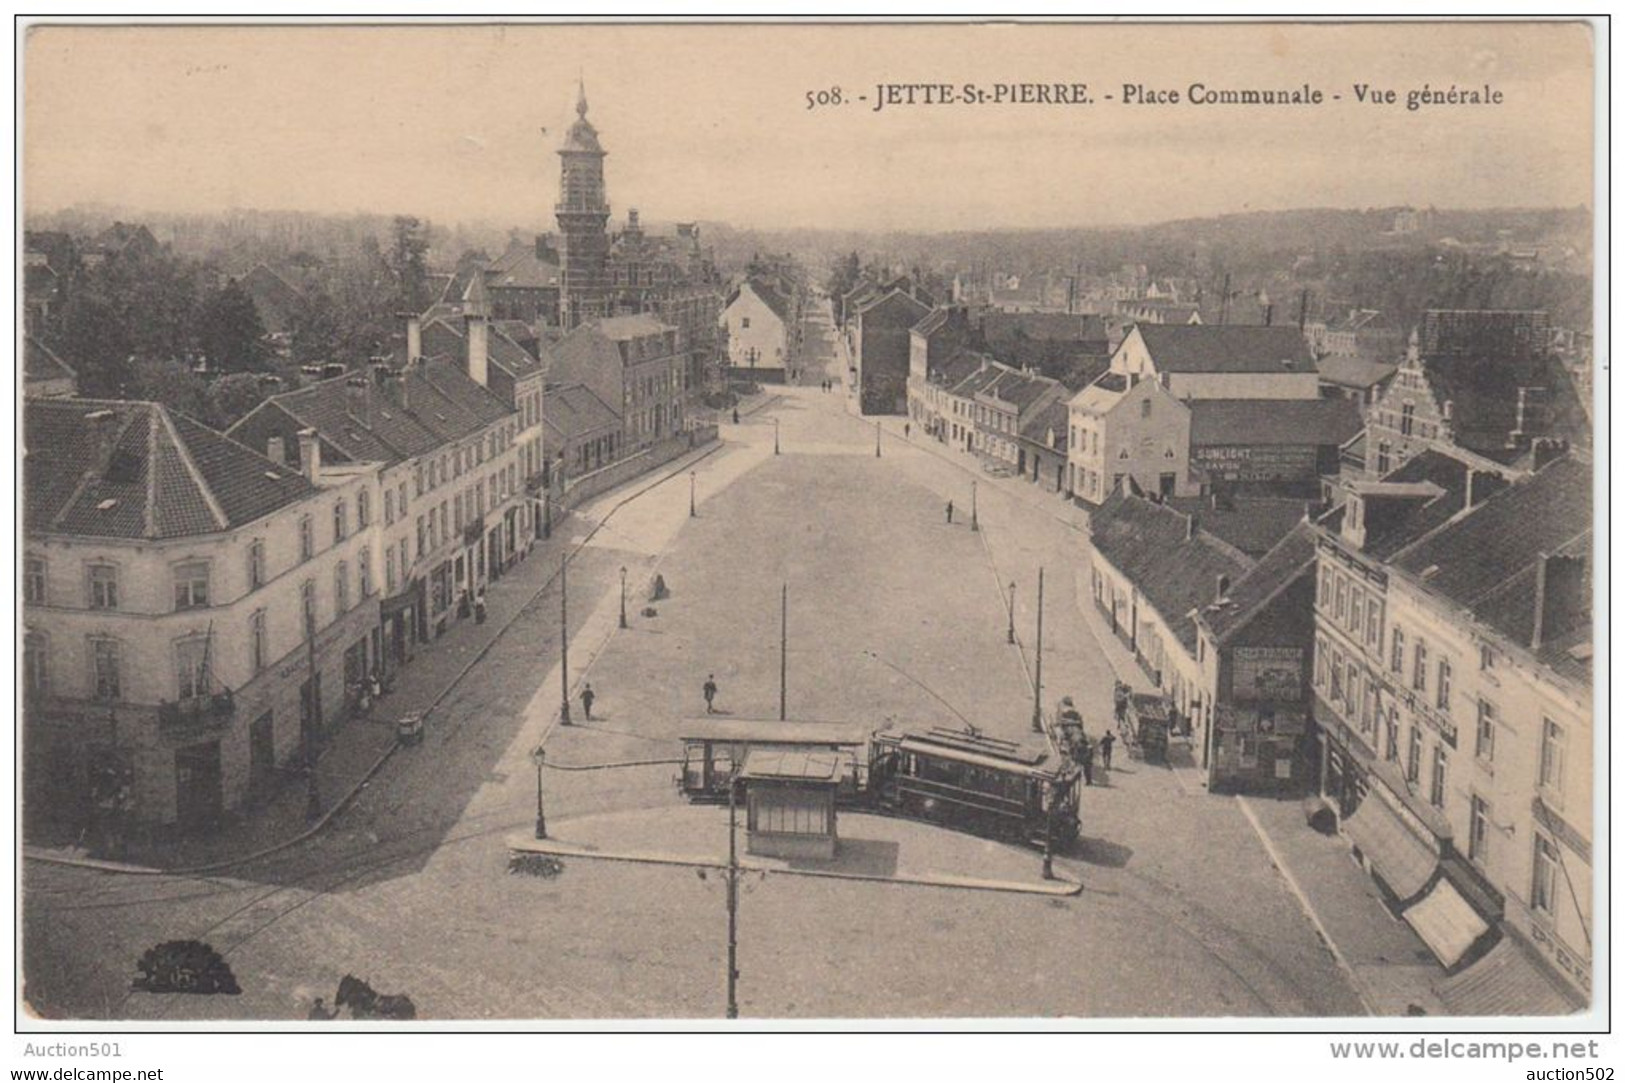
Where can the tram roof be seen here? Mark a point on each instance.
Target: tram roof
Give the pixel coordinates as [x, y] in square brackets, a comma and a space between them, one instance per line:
[944, 740]
[765, 731]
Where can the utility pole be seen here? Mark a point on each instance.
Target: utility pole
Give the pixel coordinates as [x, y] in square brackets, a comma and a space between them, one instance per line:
[1224, 301]
[1010, 629]
[1038, 669]
[877, 439]
[691, 512]
[733, 897]
[975, 525]
[784, 649]
[564, 639]
[623, 595]
[775, 436]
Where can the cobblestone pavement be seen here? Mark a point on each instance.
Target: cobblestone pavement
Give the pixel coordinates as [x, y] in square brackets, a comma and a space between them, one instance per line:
[893, 615]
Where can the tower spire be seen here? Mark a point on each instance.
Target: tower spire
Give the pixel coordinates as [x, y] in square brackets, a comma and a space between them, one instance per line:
[581, 96]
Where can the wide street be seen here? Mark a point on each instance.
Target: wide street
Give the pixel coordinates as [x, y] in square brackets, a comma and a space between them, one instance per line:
[893, 615]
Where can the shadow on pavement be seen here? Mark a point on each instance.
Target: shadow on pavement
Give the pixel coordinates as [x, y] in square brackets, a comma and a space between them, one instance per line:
[1102, 852]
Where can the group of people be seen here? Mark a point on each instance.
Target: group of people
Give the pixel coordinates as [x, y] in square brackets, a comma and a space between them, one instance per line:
[708, 690]
[826, 385]
[1084, 753]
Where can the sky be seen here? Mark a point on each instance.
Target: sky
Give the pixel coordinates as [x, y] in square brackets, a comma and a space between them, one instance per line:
[712, 122]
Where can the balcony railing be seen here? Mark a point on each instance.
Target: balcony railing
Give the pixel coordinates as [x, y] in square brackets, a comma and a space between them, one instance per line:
[198, 712]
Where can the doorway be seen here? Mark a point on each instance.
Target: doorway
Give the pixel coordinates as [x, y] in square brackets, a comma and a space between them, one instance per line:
[261, 754]
[198, 797]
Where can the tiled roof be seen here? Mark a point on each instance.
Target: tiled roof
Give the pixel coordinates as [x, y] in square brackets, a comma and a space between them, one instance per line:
[1259, 422]
[1227, 348]
[977, 381]
[1253, 524]
[932, 322]
[1357, 372]
[1043, 326]
[1022, 389]
[157, 475]
[1483, 394]
[575, 410]
[442, 405]
[959, 365]
[520, 268]
[40, 362]
[1276, 570]
[772, 298]
[1147, 543]
[620, 328]
[1052, 418]
[893, 296]
[1485, 561]
[443, 338]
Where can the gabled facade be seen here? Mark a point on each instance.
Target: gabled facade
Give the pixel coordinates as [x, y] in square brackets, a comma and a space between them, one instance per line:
[760, 332]
[1222, 362]
[1128, 427]
[880, 341]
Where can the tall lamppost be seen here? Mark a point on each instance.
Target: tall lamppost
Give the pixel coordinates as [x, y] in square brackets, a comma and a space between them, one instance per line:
[539, 757]
[1038, 668]
[877, 439]
[623, 595]
[564, 639]
[691, 512]
[775, 436]
[733, 897]
[974, 523]
[1010, 629]
[784, 650]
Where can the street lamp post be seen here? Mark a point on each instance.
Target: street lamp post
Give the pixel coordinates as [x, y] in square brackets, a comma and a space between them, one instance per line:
[775, 436]
[691, 512]
[540, 758]
[974, 523]
[1038, 668]
[733, 898]
[564, 640]
[623, 595]
[877, 439]
[784, 650]
[1010, 629]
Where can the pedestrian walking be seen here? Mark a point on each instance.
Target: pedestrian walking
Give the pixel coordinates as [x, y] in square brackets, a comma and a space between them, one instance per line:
[736, 415]
[905, 430]
[710, 691]
[1106, 743]
[586, 701]
[1086, 759]
[950, 513]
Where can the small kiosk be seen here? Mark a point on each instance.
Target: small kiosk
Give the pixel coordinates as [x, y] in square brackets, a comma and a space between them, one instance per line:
[790, 802]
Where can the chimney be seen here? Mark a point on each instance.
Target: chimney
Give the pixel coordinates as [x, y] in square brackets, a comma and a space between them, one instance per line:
[1190, 529]
[414, 339]
[310, 456]
[276, 450]
[1449, 411]
[1222, 586]
[1560, 600]
[478, 346]
[1547, 452]
[358, 398]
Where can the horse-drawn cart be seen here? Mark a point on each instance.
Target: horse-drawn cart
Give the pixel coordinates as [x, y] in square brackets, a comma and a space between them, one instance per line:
[1145, 722]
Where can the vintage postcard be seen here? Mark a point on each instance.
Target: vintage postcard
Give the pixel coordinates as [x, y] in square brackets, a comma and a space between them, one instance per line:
[550, 523]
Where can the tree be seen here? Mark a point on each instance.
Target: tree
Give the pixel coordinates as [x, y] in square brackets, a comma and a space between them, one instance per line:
[180, 389]
[93, 340]
[230, 398]
[316, 333]
[229, 331]
[407, 262]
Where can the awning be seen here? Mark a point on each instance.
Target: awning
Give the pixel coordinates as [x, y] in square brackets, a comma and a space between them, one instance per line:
[1446, 922]
[1403, 861]
[1508, 981]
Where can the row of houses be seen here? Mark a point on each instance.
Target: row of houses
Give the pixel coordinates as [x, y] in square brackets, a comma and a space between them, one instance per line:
[202, 608]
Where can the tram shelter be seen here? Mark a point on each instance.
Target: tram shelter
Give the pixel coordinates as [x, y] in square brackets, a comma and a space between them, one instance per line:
[790, 802]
